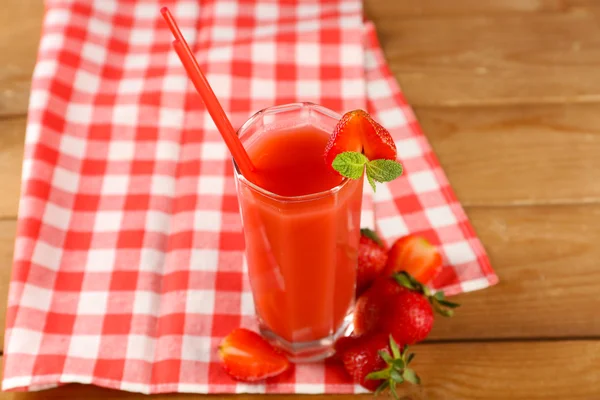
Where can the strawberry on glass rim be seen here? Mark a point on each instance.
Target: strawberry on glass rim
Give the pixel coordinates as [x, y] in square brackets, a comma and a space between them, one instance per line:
[359, 141]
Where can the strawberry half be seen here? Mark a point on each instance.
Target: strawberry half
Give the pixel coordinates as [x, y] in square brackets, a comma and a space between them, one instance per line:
[415, 255]
[346, 137]
[377, 141]
[357, 131]
[248, 357]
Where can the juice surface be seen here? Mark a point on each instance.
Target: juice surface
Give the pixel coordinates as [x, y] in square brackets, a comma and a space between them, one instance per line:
[290, 162]
[301, 255]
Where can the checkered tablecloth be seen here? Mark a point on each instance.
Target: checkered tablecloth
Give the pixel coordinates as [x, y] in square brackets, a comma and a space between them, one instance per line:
[129, 265]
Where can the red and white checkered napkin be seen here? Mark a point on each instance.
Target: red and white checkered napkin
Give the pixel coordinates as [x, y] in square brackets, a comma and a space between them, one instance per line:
[129, 261]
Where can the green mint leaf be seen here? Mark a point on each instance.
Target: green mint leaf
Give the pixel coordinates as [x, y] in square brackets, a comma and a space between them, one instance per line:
[371, 182]
[350, 164]
[384, 170]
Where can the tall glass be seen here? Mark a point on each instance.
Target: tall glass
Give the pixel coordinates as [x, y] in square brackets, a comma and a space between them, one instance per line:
[301, 250]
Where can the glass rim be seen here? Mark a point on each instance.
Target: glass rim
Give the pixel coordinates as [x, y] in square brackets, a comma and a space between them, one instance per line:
[275, 196]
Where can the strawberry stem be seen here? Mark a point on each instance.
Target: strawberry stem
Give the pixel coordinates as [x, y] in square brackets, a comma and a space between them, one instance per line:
[397, 370]
[436, 299]
[371, 234]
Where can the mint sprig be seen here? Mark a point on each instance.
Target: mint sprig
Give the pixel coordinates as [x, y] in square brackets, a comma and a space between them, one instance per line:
[351, 164]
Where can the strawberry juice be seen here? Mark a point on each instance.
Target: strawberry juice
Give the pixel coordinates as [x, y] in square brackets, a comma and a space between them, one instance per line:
[302, 226]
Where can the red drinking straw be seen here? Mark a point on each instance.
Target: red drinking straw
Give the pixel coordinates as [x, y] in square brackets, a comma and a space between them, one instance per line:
[208, 96]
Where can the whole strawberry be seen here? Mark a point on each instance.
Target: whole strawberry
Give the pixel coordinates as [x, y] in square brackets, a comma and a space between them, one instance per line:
[400, 306]
[370, 305]
[410, 317]
[372, 259]
[376, 362]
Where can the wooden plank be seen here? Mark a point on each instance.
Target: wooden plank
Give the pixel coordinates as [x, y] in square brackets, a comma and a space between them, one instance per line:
[20, 26]
[505, 59]
[547, 261]
[376, 9]
[546, 258]
[509, 155]
[483, 371]
[12, 141]
[518, 155]
[426, 8]
[7, 239]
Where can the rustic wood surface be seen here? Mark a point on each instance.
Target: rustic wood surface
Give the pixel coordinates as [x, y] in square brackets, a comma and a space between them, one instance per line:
[508, 92]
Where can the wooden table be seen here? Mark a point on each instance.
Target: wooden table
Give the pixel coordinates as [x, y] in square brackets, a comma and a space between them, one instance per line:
[508, 93]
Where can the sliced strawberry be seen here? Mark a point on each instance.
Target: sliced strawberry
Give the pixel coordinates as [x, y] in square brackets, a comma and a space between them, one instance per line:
[357, 131]
[346, 137]
[415, 255]
[248, 357]
[377, 141]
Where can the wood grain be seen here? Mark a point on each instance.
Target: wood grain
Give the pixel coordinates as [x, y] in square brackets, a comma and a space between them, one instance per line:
[483, 371]
[547, 261]
[505, 59]
[376, 9]
[12, 141]
[7, 239]
[518, 155]
[20, 26]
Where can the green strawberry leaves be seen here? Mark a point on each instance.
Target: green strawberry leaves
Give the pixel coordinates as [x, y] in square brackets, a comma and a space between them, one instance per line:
[436, 299]
[397, 370]
[351, 164]
[371, 234]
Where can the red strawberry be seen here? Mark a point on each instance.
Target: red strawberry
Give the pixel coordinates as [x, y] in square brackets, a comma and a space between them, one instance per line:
[399, 305]
[363, 358]
[373, 361]
[372, 258]
[343, 344]
[358, 132]
[416, 256]
[248, 357]
[370, 304]
[408, 317]
[377, 141]
[346, 137]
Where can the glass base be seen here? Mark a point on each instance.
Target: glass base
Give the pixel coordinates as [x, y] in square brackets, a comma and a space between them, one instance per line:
[303, 352]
